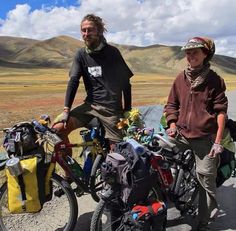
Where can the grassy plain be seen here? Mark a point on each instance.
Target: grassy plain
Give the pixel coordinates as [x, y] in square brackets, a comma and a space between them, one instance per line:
[28, 93]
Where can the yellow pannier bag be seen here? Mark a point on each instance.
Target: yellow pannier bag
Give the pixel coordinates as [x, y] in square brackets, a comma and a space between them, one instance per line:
[28, 191]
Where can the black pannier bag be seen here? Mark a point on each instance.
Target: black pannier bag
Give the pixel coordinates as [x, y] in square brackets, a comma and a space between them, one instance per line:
[231, 125]
[21, 139]
[130, 170]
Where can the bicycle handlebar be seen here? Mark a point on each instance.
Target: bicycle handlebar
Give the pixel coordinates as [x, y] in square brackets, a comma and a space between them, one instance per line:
[173, 147]
[48, 134]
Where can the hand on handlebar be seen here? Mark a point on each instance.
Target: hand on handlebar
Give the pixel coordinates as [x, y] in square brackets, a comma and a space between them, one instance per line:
[62, 118]
[171, 131]
[65, 116]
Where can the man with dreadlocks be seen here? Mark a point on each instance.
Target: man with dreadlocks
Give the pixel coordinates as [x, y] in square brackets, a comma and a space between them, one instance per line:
[196, 112]
[106, 78]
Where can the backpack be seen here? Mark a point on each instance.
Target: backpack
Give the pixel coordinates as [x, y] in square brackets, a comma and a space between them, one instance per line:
[130, 170]
[28, 173]
[231, 125]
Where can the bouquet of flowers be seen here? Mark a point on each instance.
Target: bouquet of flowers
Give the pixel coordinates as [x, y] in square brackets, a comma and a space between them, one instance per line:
[131, 124]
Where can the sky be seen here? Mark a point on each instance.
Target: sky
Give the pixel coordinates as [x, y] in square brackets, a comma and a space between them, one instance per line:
[130, 22]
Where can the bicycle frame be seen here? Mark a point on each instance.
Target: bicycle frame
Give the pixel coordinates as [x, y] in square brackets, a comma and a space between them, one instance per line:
[59, 155]
[180, 187]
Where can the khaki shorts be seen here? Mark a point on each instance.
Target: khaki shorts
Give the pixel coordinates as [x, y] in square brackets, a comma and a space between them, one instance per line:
[109, 118]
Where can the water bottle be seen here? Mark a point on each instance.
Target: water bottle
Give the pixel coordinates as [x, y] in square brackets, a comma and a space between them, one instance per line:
[75, 167]
[138, 147]
[87, 166]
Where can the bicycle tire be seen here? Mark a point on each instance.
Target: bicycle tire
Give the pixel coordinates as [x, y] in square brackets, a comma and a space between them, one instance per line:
[186, 192]
[96, 182]
[102, 218]
[60, 209]
[179, 179]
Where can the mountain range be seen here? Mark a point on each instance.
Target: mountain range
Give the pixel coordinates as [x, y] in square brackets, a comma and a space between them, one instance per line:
[58, 52]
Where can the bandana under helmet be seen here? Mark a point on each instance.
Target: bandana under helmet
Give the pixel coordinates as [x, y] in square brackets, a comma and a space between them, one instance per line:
[201, 42]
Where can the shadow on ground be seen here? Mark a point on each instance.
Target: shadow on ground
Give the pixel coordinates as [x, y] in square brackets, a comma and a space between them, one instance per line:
[83, 222]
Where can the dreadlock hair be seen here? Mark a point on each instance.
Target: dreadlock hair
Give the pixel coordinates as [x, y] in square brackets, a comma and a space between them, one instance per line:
[97, 21]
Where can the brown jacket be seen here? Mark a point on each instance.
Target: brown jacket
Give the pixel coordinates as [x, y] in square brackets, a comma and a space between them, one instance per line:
[195, 110]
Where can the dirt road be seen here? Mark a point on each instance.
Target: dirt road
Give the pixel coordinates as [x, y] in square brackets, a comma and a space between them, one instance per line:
[225, 222]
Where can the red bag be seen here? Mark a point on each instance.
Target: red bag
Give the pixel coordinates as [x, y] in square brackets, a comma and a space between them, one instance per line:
[153, 209]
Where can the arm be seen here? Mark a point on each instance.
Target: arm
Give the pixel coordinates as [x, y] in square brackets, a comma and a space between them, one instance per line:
[127, 97]
[172, 107]
[217, 148]
[71, 90]
[221, 117]
[126, 74]
[220, 106]
[73, 83]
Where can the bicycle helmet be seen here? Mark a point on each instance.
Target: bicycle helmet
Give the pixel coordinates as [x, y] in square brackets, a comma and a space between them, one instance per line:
[205, 43]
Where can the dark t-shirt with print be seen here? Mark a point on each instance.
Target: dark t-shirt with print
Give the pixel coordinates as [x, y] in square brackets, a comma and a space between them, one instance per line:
[105, 75]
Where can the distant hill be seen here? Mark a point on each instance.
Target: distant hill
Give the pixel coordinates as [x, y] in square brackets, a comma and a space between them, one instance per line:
[58, 52]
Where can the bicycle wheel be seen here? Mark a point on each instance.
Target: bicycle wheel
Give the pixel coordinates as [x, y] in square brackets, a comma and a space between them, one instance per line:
[60, 213]
[110, 212]
[96, 182]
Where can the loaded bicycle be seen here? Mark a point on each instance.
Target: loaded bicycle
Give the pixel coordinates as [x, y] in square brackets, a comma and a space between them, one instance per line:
[182, 189]
[60, 211]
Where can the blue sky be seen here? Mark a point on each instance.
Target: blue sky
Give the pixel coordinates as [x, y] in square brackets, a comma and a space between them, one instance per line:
[133, 22]
[35, 4]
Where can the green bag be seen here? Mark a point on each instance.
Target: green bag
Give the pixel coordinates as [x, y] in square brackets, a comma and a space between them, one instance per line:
[227, 159]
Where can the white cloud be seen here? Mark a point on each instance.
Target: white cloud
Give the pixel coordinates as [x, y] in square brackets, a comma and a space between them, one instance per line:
[136, 22]
[41, 24]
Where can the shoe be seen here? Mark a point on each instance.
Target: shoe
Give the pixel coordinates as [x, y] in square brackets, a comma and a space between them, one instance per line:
[203, 227]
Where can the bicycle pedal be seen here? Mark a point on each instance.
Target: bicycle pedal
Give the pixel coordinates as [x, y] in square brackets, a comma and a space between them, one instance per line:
[59, 192]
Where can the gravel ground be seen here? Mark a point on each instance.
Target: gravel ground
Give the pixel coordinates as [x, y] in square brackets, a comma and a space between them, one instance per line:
[225, 222]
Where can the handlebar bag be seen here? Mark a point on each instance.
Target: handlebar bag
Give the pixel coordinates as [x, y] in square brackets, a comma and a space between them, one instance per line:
[20, 139]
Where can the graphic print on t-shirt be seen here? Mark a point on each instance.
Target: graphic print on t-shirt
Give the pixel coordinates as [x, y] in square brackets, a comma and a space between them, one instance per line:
[95, 71]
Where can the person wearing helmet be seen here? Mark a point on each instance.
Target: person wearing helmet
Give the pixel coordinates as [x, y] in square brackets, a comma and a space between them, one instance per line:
[195, 112]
